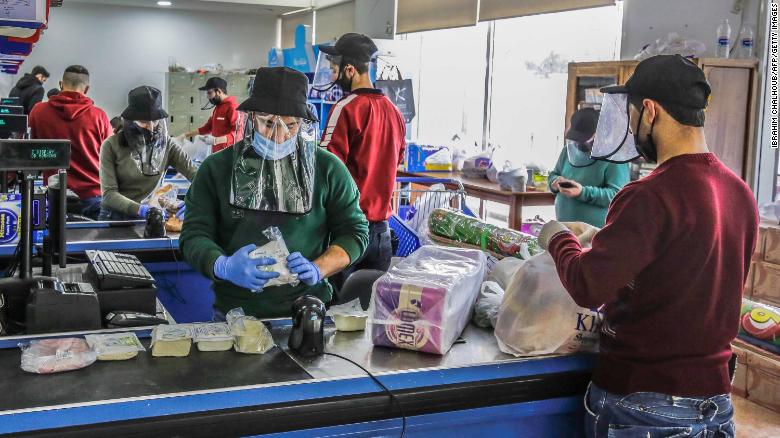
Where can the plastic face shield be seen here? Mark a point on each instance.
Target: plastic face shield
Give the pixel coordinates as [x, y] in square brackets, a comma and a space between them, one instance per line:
[578, 153]
[614, 140]
[327, 71]
[273, 168]
[148, 140]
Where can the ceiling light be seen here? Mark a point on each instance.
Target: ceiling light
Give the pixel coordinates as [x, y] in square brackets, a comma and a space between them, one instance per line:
[164, 3]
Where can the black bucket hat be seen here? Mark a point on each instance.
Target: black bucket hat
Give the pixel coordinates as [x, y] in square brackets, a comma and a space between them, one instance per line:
[583, 125]
[144, 103]
[280, 91]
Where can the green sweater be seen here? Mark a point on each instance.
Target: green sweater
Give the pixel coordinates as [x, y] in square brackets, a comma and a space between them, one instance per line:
[600, 183]
[123, 185]
[212, 227]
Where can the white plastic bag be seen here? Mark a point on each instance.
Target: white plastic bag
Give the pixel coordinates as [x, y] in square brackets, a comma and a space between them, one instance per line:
[424, 302]
[488, 303]
[770, 211]
[47, 356]
[538, 316]
[435, 197]
[277, 250]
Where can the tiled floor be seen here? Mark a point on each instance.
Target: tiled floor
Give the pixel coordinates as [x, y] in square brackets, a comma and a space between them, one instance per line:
[754, 421]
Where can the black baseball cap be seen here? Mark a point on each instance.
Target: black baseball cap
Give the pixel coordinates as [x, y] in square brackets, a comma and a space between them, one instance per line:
[583, 125]
[667, 79]
[214, 84]
[352, 45]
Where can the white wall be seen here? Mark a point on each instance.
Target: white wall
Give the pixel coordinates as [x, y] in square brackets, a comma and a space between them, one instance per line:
[125, 47]
[646, 20]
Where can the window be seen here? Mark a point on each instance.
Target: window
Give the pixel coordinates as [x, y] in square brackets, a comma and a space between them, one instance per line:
[530, 73]
[449, 81]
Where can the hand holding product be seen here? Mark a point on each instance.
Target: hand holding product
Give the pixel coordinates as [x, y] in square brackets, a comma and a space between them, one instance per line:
[243, 270]
[308, 272]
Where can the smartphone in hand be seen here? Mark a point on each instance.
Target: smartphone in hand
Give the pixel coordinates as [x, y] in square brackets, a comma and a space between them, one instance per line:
[566, 185]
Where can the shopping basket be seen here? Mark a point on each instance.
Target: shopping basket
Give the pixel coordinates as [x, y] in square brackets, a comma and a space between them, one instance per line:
[414, 200]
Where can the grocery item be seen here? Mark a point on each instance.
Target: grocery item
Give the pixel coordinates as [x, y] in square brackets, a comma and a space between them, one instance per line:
[477, 166]
[47, 356]
[349, 317]
[165, 198]
[115, 346]
[214, 336]
[452, 227]
[428, 158]
[487, 305]
[173, 224]
[172, 340]
[537, 316]
[423, 303]
[249, 334]
[277, 250]
[760, 325]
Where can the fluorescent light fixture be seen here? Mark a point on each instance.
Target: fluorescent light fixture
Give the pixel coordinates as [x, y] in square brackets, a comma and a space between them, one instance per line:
[164, 3]
[296, 11]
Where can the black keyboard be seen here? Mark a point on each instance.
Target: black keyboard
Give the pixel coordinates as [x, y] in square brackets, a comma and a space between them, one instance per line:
[118, 271]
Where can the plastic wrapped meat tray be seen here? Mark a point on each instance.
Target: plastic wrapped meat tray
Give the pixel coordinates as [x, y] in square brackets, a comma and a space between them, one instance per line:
[424, 302]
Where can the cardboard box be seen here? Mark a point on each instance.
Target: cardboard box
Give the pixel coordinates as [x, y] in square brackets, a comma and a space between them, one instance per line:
[747, 292]
[428, 158]
[739, 386]
[763, 379]
[766, 284]
[771, 243]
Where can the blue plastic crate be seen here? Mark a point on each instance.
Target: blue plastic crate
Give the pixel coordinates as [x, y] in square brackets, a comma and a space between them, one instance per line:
[408, 242]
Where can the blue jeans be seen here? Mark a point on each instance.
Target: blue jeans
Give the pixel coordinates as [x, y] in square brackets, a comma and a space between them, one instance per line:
[90, 207]
[655, 415]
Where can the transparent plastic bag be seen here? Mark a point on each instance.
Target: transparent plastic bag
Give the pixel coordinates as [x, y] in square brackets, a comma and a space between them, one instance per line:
[424, 302]
[277, 250]
[349, 317]
[115, 346]
[250, 335]
[488, 303]
[165, 198]
[538, 317]
[212, 336]
[46, 356]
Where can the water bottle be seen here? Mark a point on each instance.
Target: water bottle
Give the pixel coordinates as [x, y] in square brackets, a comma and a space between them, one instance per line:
[724, 39]
[745, 42]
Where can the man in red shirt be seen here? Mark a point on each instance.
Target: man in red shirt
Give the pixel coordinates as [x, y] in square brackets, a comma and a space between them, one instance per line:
[669, 266]
[224, 121]
[367, 132]
[71, 115]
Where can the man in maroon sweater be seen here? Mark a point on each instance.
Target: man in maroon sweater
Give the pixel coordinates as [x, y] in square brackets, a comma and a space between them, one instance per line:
[669, 266]
[367, 132]
[71, 115]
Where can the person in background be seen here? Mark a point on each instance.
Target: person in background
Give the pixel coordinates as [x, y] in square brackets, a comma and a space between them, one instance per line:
[73, 116]
[224, 121]
[133, 161]
[669, 266]
[367, 132]
[237, 195]
[116, 124]
[584, 186]
[52, 92]
[29, 89]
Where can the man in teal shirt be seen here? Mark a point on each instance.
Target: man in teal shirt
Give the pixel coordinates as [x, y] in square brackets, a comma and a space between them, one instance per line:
[584, 187]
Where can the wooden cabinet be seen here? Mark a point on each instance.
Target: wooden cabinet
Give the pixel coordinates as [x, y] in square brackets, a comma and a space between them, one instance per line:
[731, 114]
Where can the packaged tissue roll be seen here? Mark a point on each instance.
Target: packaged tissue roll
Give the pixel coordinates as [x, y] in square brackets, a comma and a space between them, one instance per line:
[214, 336]
[171, 340]
[424, 302]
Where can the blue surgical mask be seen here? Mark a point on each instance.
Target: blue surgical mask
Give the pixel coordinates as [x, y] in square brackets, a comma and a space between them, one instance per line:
[271, 150]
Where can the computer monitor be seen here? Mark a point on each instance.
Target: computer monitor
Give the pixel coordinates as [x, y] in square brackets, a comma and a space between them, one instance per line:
[10, 101]
[11, 109]
[12, 124]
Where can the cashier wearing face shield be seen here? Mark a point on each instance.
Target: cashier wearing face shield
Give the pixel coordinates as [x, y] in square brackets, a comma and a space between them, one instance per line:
[584, 186]
[275, 176]
[134, 160]
[668, 267]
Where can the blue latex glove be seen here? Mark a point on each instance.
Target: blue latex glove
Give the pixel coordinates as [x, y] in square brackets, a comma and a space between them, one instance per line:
[180, 213]
[144, 211]
[308, 272]
[242, 270]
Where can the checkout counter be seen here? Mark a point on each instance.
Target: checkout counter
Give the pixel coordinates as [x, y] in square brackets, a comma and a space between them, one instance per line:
[473, 390]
